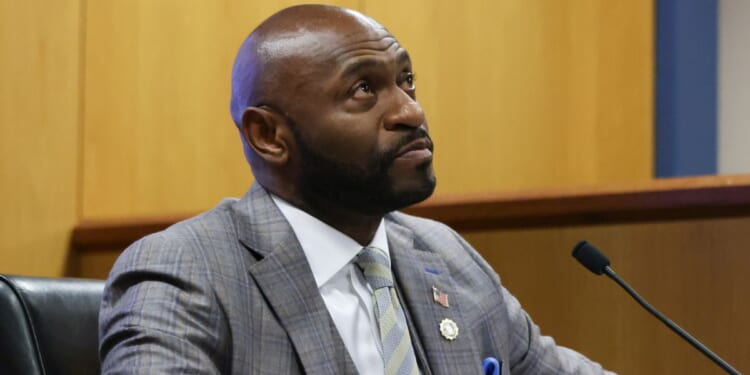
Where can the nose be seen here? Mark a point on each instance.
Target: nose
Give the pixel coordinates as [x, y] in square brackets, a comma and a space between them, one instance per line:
[405, 112]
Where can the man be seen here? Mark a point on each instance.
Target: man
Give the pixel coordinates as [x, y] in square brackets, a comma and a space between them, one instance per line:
[314, 271]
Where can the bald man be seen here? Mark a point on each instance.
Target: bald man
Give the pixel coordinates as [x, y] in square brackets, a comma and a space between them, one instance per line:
[314, 271]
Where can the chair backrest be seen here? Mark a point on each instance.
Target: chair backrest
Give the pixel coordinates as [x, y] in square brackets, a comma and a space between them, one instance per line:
[49, 326]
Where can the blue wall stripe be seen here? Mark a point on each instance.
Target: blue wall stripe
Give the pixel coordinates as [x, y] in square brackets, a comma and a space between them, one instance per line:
[686, 91]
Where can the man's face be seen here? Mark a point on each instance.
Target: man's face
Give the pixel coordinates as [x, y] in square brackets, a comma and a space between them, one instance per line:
[361, 138]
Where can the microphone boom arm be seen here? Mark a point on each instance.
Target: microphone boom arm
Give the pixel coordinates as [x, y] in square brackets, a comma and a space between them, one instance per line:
[672, 325]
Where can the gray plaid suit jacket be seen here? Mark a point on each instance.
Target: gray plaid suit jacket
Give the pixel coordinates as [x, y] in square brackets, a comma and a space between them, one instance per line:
[230, 292]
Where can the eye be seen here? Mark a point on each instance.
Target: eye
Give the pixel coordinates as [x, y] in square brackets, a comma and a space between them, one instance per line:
[364, 87]
[407, 80]
[362, 90]
[410, 79]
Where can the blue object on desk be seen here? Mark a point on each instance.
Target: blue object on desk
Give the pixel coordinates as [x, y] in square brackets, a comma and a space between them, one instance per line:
[492, 366]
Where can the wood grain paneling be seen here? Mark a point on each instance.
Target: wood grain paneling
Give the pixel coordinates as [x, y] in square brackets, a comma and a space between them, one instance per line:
[694, 271]
[519, 94]
[657, 200]
[158, 137]
[529, 94]
[39, 118]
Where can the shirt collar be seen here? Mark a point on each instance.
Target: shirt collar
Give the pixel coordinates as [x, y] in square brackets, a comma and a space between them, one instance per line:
[327, 249]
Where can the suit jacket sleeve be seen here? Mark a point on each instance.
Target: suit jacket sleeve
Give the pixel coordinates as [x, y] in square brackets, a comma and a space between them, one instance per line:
[159, 314]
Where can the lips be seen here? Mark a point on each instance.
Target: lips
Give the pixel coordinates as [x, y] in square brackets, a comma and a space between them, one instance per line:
[418, 149]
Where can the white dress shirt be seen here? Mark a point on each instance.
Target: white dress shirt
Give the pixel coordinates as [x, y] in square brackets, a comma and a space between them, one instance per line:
[341, 284]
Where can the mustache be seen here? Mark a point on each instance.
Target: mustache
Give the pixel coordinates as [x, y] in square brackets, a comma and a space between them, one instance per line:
[418, 133]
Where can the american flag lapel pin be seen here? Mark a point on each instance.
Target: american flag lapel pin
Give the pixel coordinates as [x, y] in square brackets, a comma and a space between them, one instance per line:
[440, 297]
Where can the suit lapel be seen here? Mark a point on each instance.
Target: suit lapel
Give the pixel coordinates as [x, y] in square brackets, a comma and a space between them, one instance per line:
[284, 277]
[417, 272]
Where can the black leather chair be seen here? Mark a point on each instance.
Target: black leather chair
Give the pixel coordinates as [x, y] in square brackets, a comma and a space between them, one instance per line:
[49, 326]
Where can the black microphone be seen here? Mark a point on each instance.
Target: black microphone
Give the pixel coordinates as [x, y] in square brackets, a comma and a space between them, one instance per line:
[596, 262]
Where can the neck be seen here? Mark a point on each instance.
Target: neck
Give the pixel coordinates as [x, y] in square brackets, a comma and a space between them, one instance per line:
[358, 226]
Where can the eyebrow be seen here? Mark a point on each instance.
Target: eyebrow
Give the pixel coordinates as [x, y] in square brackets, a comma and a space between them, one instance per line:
[403, 57]
[368, 63]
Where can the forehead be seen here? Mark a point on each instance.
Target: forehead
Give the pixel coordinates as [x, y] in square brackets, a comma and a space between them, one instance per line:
[345, 54]
[321, 32]
[305, 48]
[328, 60]
[313, 55]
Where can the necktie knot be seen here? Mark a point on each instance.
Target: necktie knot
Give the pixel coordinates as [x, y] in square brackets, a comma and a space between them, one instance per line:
[375, 267]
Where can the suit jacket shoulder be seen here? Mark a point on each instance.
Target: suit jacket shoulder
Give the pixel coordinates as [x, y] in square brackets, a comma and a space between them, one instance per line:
[160, 291]
[225, 292]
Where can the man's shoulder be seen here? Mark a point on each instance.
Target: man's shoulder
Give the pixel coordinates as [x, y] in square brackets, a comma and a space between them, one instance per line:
[414, 222]
[439, 238]
[431, 235]
[421, 227]
[189, 238]
[215, 223]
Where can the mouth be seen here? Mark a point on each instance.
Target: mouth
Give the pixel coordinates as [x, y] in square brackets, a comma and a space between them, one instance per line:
[418, 149]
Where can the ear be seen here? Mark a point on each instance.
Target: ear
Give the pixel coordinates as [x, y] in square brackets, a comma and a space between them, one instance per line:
[264, 132]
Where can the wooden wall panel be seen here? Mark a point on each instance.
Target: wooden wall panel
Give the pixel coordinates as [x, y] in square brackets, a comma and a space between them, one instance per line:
[519, 94]
[158, 137]
[39, 117]
[528, 94]
[694, 271]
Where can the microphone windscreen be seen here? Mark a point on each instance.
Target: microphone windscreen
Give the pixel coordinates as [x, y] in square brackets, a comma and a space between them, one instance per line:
[590, 257]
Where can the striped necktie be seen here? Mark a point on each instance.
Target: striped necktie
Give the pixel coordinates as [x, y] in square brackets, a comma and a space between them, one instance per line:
[397, 351]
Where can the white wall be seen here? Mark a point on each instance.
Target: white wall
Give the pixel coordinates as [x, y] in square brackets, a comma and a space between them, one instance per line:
[734, 86]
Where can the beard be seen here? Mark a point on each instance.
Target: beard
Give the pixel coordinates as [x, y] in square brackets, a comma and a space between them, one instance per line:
[368, 189]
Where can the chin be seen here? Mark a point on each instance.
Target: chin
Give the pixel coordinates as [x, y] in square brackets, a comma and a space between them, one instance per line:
[409, 195]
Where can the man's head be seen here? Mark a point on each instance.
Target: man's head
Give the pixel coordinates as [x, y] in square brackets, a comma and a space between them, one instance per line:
[324, 99]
